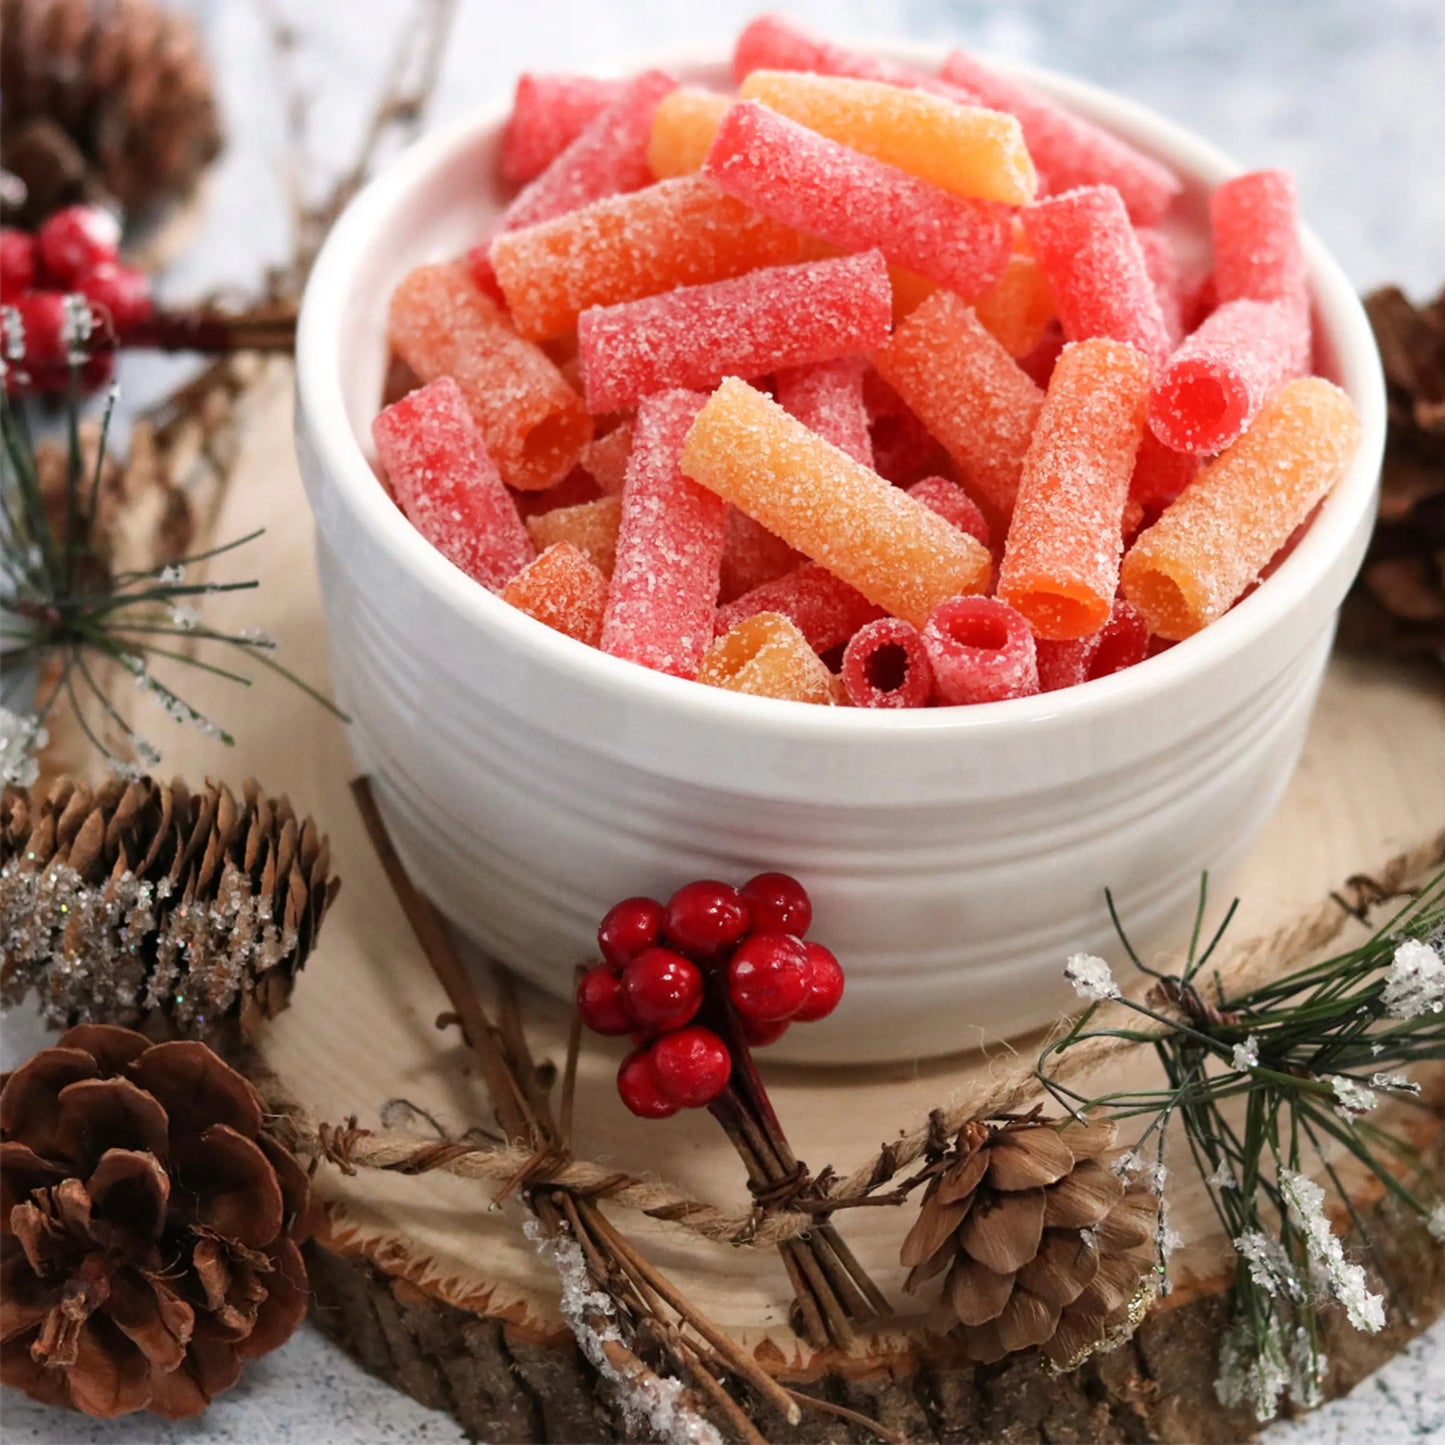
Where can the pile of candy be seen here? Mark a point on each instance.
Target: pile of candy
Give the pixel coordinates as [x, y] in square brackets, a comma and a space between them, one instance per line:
[860, 385]
[714, 960]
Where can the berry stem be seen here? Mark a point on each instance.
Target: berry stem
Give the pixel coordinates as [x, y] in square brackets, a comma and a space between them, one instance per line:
[269, 327]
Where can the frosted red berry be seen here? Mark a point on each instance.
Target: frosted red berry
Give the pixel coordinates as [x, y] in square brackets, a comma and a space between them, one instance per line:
[121, 292]
[825, 984]
[664, 989]
[777, 903]
[705, 918]
[760, 1035]
[768, 977]
[638, 1086]
[17, 263]
[692, 1066]
[75, 240]
[43, 321]
[602, 1002]
[629, 929]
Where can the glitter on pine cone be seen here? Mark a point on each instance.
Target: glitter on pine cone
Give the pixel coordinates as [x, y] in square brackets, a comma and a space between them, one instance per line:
[1040, 1242]
[149, 1229]
[142, 901]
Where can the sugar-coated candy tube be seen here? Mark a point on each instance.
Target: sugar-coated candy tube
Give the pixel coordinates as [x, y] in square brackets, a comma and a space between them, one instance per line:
[563, 589]
[439, 471]
[590, 527]
[1121, 642]
[752, 555]
[904, 450]
[681, 232]
[824, 608]
[827, 397]
[968, 392]
[813, 184]
[895, 551]
[605, 458]
[608, 156]
[766, 656]
[910, 290]
[1162, 264]
[1212, 386]
[1212, 542]
[695, 336]
[548, 114]
[1095, 267]
[573, 490]
[1068, 150]
[1061, 559]
[1254, 230]
[1160, 473]
[981, 650]
[1018, 307]
[669, 546]
[954, 505]
[1038, 365]
[971, 152]
[534, 425]
[683, 129]
[886, 665]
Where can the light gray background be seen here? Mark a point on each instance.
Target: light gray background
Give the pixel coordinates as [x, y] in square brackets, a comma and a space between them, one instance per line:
[1348, 94]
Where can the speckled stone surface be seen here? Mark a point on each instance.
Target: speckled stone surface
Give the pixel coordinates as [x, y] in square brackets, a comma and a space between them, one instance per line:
[1348, 94]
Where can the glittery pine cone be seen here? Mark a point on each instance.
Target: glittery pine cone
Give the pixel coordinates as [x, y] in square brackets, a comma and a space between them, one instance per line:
[149, 1226]
[139, 899]
[1039, 1241]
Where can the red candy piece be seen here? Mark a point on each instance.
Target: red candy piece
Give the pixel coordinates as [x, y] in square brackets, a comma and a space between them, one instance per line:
[629, 929]
[824, 608]
[75, 240]
[638, 1086]
[982, 650]
[954, 505]
[602, 1002]
[705, 918]
[886, 665]
[548, 114]
[825, 984]
[777, 903]
[827, 397]
[17, 263]
[122, 292]
[1121, 642]
[1163, 267]
[663, 989]
[1160, 473]
[691, 1066]
[1254, 227]
[752, 555]
[768, 977]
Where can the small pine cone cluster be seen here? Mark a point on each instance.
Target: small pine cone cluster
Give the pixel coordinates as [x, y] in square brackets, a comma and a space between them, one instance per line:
[138, 898]
[1040, 1242]
[149, 1229]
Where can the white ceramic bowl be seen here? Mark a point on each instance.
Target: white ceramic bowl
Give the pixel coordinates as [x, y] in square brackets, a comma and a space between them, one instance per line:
[955, 855]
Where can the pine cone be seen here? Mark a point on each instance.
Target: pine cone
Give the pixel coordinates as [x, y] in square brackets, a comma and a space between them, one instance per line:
[149, 1226]
[1043, 1243]
[141, 896]
[102, 95]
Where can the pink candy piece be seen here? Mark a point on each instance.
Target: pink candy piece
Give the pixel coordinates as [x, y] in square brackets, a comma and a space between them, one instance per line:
[608, 156]
[669, 547]
[827, 397]
[447, 485]
[548, 114]
[694, 336]
[1163, 267]
[1212, 386]
[1254, 226]
[825, 609]
[904, 450]
[886, 665]
[954, 505]
[752, 555]
[1068, 150]
[981, 651]
[815, 185]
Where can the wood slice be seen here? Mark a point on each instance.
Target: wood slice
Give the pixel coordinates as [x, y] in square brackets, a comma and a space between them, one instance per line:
[435, 1287]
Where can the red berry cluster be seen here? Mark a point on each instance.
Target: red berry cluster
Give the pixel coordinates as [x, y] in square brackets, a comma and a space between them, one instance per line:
[669, 973]
[75, 253]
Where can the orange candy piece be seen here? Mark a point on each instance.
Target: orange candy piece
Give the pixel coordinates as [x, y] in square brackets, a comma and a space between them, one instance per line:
[1061, 561]
[534, 425]
[767, 656]
[683, 131]
[1018, 307]
[839, 513]
[1216, 537]
[590, 527]
[563, 589]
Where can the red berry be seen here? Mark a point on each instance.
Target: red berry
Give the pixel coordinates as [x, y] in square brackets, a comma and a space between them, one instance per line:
[630, 928]
[122, 292]
[825, 984]
[602, 1002]
[768, 977]
[75, 240]
[17, 263]
[706, 918]
[44, 320]
[760, 1035]
[777, 903]
[663, 989]
[638, 1086]
[692, 1066]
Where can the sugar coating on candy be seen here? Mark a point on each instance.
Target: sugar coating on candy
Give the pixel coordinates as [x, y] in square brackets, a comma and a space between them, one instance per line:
[563, 589]
[824, 608]
[1095, 267]
[608, 156]
[664, 585]
[1160, 473]
[1068, 150]
[683, 129]
[676, 233]
[954, 505]
[963, 149]
[765, 655]
[827, 397]
[813, 184]
[440, 474]
[1213, 541]
[968, 392]
[695, 336]
[886, 665]
[1061, 558]
[534, 425]
[605, 458]
[981, 650]
[548, 114]
[752, 555]
[1162, 264]
[1018, 307]
[591, 528]
[1213, 384]
[838, 513]
[1254, 232]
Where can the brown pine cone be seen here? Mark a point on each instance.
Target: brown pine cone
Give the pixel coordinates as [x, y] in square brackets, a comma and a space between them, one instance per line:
[140, 897]
[149, 1226]
[1043, 1243]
